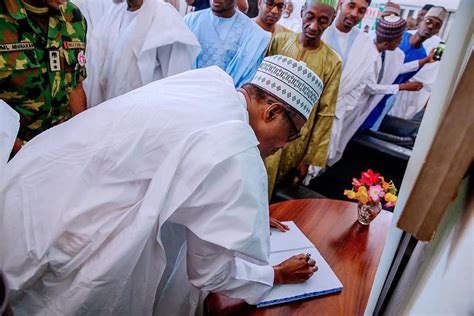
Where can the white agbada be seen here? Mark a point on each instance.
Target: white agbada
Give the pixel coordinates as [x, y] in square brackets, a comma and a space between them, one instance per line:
[407, 103]
[82, 213]
[93, 11]
[378, 85]
[9, 126]
[131, 49]
[359, 56]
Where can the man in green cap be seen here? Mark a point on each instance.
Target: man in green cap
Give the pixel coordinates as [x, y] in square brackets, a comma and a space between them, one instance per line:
[42, 46]
[290, 164]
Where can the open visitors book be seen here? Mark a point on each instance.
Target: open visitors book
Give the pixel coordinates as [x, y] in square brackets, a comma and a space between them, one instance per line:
[283, 245]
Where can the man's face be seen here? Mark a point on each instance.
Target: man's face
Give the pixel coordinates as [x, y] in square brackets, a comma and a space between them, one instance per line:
[271, 10]
[429, 27]
[351, 12]
[276, 127]
[420, 16]
[288, 10]
[219, 6]
[316, 18]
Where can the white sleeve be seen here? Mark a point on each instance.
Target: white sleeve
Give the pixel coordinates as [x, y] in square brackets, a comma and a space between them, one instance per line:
[215, 269]
[410, 66]
[174, 59]
[227, 223]
[382, 88]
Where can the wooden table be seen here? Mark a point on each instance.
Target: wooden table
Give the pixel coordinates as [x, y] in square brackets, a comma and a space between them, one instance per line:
[352, 250]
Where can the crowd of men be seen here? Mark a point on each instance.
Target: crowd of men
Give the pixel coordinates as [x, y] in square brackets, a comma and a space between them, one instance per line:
[156, 192]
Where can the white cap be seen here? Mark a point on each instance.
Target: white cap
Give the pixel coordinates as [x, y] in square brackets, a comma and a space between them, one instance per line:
[291, 81]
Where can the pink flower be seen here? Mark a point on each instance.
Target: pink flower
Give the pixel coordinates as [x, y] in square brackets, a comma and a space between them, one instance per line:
[356, 183]
[376, 192]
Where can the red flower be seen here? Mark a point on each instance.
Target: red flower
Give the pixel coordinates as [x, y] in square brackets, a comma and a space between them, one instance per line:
[369, 178]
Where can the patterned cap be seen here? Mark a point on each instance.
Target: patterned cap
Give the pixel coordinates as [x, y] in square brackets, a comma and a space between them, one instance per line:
[331, 3]
[392, 7]
[390, 27]
[437, 12]
[291, 81]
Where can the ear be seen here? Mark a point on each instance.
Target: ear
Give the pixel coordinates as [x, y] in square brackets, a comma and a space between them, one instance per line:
[272, 112]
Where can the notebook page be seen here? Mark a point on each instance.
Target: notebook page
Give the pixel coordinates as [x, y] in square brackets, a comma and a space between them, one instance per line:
[289, 240]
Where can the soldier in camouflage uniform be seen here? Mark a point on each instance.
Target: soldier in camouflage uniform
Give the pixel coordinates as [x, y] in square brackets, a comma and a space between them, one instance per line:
[42, 63]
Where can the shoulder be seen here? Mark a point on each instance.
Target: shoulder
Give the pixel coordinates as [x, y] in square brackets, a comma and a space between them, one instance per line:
[193, 17]
[72, 13]
[283, 37]
[330, 53]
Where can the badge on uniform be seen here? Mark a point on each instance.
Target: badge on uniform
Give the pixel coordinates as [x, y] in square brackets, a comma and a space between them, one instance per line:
[81, 58]
[54, 60]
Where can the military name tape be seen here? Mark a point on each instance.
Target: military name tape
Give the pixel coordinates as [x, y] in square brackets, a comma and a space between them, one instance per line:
[16, 46]
[73, 45]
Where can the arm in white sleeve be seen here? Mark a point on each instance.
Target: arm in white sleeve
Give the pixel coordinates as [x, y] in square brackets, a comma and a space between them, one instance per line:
[215, 269]
[410, 66]
[374, 88]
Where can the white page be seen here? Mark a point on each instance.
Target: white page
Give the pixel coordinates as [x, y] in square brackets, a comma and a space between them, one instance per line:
[324, 281]
[289, 240]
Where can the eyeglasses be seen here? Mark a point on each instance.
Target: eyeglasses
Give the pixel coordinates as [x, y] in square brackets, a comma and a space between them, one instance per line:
[295, 131]
[270, 4]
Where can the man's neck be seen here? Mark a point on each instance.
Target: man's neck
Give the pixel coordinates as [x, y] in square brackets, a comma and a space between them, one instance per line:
[267, 27]
[134, 5]
[380, 47]
[341, 28]
[416, 40]
[309, 43]
[225, 14]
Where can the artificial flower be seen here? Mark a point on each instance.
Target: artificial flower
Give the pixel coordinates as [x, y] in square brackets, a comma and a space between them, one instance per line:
[369, 178]
[356, 183]
[361, 195]
[385, 185]
[390, 197]
[350, 194]
[376, 192]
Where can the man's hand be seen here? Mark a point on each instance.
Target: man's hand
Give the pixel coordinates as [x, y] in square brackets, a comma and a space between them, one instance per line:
[296, 269]
[428, 59]
[301, 173]
[410, 86]
[274, 223]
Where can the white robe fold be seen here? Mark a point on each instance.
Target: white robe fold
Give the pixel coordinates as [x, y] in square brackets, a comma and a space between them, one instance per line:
[155, 45]
[359, 66]
[81, 214]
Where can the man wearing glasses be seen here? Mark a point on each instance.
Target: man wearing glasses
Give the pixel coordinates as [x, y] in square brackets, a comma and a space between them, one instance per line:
[270, 12]
[163, 200]
[290, 164]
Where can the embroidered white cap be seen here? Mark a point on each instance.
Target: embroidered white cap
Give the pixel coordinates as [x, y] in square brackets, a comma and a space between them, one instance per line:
[291, 81]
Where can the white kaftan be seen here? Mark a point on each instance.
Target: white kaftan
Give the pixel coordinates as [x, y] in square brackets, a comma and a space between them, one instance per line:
[131, 49]
[378, 85]
[82, 214]
[359, 56]
[407, 103]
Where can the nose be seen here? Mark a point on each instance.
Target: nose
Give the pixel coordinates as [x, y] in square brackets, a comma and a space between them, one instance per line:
[274, 10]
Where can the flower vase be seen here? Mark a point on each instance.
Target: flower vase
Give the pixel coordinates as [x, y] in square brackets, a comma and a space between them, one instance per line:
[366, 213]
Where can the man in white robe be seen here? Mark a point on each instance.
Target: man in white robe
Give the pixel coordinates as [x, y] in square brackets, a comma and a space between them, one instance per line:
[88, 219]
[389, 32]
[406, 104]
[9, 126]
[359, 58]
[93, 10]
[137, 42]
